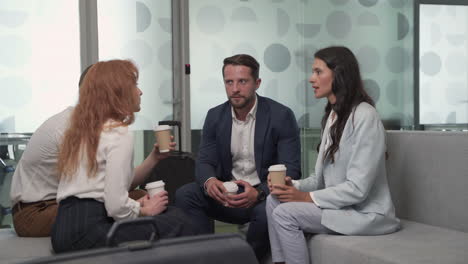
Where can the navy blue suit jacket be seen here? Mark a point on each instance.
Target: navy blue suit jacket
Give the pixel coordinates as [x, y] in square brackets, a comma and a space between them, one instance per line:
[276, 141]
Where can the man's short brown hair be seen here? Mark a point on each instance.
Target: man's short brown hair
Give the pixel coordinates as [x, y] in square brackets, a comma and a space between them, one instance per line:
[244, 60]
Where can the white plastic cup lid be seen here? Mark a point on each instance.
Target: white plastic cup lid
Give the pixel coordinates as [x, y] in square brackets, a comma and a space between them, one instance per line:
[162, 127]
[277, 167]
[155, 184]
[231, 187]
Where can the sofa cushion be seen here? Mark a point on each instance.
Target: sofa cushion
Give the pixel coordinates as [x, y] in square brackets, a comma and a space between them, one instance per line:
[428, 177]
[16, 249]
[415, 243]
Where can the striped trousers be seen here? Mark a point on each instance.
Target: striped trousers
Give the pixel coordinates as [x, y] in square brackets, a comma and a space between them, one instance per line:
[84, 224]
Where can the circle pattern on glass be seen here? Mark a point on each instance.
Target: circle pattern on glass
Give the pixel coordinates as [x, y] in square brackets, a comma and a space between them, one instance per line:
[369, 59]
[430, 63]
[308, 30]
[338, 24]
[244, 14]
[403, 26]
[143, 17]
[277, 57]
[397, 59]
[368, 3]
[372, 88]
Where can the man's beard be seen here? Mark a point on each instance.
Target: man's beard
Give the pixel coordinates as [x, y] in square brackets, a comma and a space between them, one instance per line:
[243, 102]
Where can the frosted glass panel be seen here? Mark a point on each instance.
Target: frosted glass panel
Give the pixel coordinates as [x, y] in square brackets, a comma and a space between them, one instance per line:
[283, 36]
[219, 29]
[443, 57]
[39, 61]
[141, 31]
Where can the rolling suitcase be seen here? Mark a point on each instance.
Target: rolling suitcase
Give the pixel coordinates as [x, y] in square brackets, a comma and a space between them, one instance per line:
[202, 249]
[176, 170]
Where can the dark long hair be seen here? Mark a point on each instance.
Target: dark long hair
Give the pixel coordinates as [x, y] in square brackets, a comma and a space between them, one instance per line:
[348, 89]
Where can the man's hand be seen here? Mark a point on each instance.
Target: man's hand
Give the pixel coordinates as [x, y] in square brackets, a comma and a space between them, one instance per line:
[216, 190]
[286, 193]
[155, 205]
[246, 199]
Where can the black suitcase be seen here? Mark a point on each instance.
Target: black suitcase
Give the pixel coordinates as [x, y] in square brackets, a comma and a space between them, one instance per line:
[202, 249]
[176, 170]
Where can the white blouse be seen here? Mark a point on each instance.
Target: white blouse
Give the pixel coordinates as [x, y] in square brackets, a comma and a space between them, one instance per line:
[113, 177]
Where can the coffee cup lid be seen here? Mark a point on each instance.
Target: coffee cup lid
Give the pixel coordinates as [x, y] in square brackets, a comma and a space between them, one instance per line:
[161, 127]
[155, 184]
[277, 167]
[231, 186]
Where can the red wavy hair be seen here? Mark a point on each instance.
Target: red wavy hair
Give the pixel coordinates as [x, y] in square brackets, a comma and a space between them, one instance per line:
[107, 93]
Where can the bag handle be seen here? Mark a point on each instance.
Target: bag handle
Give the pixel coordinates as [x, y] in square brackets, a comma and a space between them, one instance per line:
[177, 124]
[146, 220]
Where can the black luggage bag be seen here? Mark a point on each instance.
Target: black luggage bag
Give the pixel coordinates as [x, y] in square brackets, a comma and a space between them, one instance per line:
[202, 249]
[176, 170]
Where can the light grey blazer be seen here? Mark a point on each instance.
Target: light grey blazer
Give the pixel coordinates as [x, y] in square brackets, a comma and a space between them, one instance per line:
[353, 191]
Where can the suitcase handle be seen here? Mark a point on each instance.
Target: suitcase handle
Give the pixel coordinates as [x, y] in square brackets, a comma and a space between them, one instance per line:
[146, 220]
[174, 123]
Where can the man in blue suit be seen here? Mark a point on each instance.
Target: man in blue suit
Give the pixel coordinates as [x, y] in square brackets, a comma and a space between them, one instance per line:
[241, 139]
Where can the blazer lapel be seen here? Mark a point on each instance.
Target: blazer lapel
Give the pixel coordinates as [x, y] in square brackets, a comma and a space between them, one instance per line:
[261, 124]
[225, 131]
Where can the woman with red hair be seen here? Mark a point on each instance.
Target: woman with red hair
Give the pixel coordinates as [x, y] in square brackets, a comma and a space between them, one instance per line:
[96, 166]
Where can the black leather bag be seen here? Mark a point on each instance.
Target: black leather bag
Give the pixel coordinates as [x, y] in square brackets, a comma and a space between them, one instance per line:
[178, 169]
[203, 249]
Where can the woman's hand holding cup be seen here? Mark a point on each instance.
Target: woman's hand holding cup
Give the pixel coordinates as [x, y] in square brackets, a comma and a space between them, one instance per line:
[155, 204]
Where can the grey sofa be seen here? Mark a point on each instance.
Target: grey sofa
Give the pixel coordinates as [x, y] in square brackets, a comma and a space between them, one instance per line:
[428, 178]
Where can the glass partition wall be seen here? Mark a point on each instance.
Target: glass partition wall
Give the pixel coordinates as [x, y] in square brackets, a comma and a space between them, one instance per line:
[283, 36]
[43, 44]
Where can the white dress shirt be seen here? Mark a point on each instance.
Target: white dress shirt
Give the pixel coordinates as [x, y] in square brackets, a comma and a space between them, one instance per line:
[242, 147]
[113, 177]
[36, 177]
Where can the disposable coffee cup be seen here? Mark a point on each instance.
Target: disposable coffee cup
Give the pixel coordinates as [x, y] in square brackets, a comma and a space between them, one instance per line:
[231, 188]
[163, 137]
[277, 174]
[154, 187]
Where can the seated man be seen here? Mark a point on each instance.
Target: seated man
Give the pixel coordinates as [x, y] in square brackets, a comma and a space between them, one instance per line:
[35, 181]
[241, 139]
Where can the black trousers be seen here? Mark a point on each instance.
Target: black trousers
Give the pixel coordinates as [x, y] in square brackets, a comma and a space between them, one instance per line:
[202, 208]
[84, 224]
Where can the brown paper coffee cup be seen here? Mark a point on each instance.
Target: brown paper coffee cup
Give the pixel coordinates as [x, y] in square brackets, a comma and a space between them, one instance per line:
[163, 137]
[277, 174]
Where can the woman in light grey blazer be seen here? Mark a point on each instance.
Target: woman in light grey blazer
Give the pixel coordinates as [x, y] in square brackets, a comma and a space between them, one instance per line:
[348, 194]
